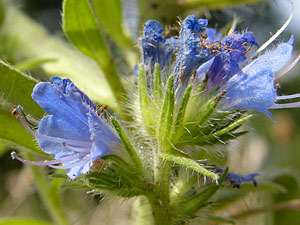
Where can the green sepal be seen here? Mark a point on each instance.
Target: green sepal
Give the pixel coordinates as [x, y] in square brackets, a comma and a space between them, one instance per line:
[144, 98]
[221, 136]
[188, 206]
[184, 160]
[167, 112]
[181, 113]
[208, 109]
[128, 146]
[157, 85]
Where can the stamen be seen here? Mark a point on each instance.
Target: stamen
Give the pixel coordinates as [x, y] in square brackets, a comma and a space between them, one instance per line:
[81, 162]
[76, 149]
[283, 27]
[288, 68]
[46, 162]
[49, 138]
[286, 106]
[286, 97]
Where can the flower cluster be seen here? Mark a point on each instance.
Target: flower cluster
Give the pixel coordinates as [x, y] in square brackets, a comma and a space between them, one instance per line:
[198, 70]
[225, 64]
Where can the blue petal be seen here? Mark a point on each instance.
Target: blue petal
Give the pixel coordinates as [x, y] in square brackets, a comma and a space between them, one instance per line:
[190, 52]
[212, 35]
[253, 87]
[103, 137]
[236, 41]
[63, 100]
[221, 70]
[155, 47]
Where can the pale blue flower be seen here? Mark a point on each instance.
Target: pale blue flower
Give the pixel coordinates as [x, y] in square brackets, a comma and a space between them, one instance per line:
[73, 134]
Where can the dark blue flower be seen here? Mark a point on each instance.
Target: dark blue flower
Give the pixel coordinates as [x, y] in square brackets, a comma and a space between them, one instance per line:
[73, 134]
[156, 48]
[238, 44]
[237, 179]
[191, 51]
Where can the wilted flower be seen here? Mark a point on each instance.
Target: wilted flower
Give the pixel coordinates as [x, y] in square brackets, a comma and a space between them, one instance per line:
[73, 134]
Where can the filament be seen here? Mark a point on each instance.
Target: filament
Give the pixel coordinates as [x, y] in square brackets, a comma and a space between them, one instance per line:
[46, 162]
[278, 32]
[286, 106]
[286, 97]
[79, 163]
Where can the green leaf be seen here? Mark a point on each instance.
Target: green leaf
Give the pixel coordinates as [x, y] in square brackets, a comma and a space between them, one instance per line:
[189, 163]
[32, 63]
[25, 33]
[84, 31]
[12, 131]
[109, 15]
[22, 221]
[188, 206]
[4, 145]
[16, 88]
[129, 147]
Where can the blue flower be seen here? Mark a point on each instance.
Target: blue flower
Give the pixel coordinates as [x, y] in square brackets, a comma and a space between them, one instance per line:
[237, 179]
[73, 134]
[253, 87]
[192, 51]
[156, 48]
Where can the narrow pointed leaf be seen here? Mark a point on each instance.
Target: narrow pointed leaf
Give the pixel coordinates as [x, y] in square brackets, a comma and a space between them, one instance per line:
[109, 15]
[83, 29]
[189, 163]
[129, 147]
[166, 115]
[157, 85]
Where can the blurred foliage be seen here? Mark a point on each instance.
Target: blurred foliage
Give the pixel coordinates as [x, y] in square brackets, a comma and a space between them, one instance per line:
[26, 44]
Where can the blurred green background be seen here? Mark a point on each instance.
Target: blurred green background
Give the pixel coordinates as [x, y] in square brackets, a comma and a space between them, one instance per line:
[31, 39]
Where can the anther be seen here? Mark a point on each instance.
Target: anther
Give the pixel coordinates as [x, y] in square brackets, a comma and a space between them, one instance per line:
[203, 35]
[221, 95]
[103, 107]
[14, 110]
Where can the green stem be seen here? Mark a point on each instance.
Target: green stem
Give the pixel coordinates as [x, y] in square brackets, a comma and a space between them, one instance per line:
[49, 196]
[160, 200]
